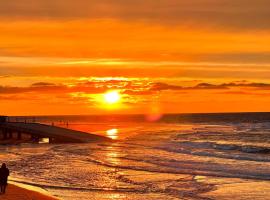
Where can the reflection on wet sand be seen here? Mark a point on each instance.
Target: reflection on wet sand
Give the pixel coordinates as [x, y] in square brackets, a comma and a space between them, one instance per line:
[112, 155]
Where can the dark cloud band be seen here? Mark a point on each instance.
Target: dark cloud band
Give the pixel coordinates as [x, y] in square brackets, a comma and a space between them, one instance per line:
[127, 87]
[223, 13]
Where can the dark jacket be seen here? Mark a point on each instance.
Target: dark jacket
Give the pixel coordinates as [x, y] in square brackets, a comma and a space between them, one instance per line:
[4, 173]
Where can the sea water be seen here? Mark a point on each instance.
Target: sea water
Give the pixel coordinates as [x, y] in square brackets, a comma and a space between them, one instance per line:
[206, 156]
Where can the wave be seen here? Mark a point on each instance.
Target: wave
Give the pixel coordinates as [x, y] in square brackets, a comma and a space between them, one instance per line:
[226, 151]
[172, 166]
[58, 187]
[235, 147]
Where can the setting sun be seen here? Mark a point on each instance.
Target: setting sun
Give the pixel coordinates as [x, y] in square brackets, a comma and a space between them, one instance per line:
[112, 97]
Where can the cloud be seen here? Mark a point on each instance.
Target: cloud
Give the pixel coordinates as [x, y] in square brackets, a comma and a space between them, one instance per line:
[138, 92]
[126, 87]
[245, 93]
[247, 84]
[11, 90]
[238, 84]
[224, 13]
[91, 87]
[4, 76]
[43, 84]
[36, 87]
[200, 86]
[165, 86]
[210, 86]
[10, 97]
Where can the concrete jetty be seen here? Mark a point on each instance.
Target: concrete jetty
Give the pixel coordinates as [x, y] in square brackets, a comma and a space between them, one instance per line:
[37, 131]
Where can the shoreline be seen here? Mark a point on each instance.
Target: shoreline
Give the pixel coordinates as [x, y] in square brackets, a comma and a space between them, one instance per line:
[16, 191]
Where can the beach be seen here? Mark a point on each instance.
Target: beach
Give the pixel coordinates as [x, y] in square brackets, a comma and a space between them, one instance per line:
[14, 192]
[222, 157]
[135, 99]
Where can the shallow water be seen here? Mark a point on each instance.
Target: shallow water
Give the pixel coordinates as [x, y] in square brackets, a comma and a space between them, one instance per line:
[151, 161]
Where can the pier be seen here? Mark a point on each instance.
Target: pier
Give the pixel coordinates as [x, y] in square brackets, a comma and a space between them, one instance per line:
[37, 131]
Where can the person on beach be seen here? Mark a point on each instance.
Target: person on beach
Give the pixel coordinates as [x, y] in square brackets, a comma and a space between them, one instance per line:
[4, 173]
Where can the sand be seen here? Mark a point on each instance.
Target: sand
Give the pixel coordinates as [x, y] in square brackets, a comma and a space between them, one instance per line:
[18, 193]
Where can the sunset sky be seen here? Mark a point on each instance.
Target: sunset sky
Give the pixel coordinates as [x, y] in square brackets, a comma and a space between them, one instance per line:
[161, 56]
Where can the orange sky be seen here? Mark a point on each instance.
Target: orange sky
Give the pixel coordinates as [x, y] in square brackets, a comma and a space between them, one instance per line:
[58, 57]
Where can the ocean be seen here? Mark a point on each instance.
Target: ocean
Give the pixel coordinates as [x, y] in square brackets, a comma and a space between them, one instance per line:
[176, 156]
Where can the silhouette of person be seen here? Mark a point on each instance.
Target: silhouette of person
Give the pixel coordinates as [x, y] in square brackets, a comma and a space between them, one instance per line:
[4, 173]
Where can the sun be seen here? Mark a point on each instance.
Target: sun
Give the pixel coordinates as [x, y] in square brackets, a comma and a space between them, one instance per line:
[112, 97]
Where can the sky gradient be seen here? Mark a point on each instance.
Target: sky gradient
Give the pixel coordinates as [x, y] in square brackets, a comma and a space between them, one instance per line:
[166, 56]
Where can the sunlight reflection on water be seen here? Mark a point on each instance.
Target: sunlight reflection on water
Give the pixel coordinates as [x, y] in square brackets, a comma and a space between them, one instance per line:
[112, 133]
[44, 141]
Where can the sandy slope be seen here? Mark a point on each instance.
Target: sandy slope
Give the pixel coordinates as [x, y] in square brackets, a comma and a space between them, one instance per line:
[17, 193]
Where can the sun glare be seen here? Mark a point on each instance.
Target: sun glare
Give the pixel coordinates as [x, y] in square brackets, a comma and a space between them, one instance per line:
[112, 133]
[112, 97]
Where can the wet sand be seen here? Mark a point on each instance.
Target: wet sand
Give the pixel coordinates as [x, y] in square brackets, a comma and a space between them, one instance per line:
[18, 193]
